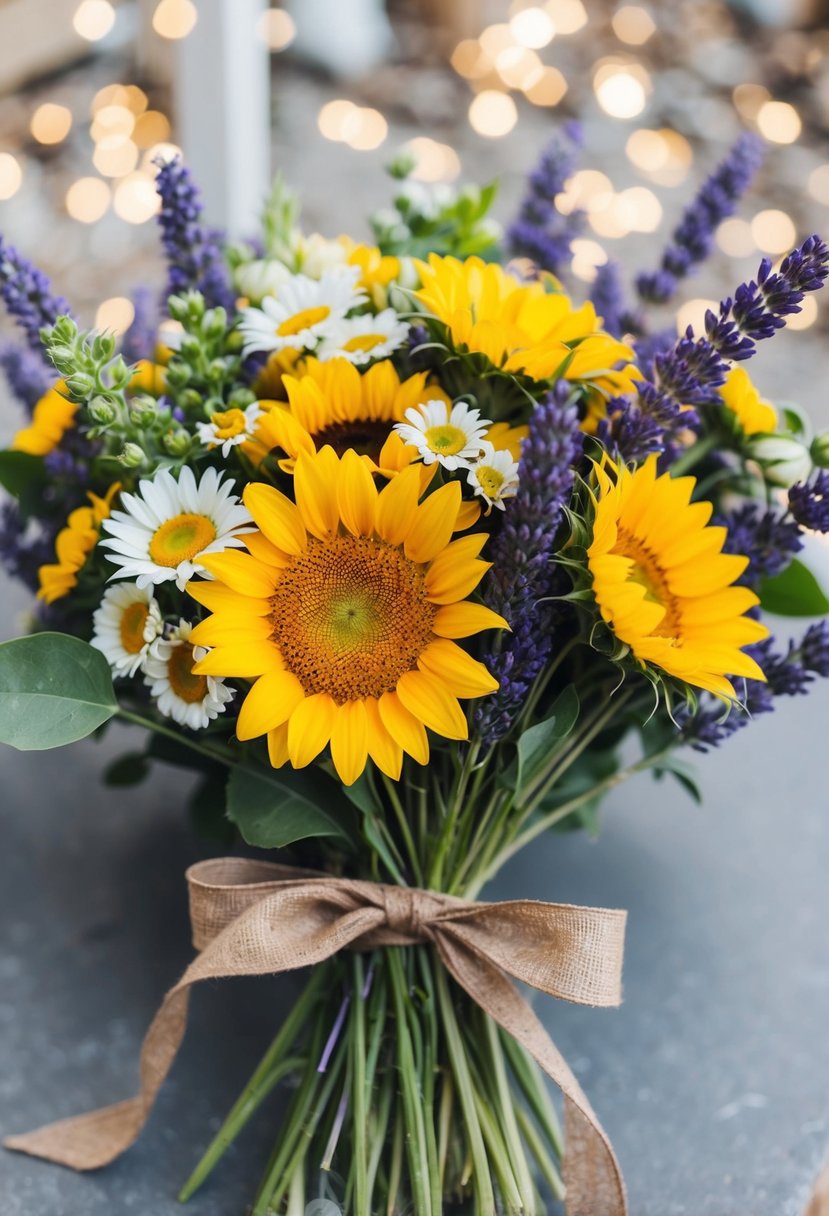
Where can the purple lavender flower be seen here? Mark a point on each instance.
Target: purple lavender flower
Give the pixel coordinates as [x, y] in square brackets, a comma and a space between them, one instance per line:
[523, 573]
[27, 294]
[608, 298]
[692, 239]
[766, 537]
[540, 232]
[713, 723]
[629, 431]
[814, 648]
[24, 371]
[23, 548]
[139, 341]
[194, 254]
[809, 502]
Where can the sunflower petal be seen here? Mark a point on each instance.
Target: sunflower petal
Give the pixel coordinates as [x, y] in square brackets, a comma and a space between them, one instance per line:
[434, 523]
[384, 751]
[461, 620]
[216, 596]
[246, 659]
[462, 675]
[270, 702]
[278, 745]
[356, 495]
[428, 698]
[261, 548]
[349, 740]
[397, 506]
[241, 572]
[315, 486]
[277, 517]
[309, 728]
[406, 730]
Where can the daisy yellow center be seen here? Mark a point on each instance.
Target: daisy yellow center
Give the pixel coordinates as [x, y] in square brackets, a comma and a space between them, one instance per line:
[131, 629]
[229, 423]
[363, 342]
[446, 440]
[303, 320]
[187, 686]
[490, 480]
[648, 573]
[351, 616]
[179, 539]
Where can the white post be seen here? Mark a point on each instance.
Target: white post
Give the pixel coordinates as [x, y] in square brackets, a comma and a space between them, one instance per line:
[222, 102]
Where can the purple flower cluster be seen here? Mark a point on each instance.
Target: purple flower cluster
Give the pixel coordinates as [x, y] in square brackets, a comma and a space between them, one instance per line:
[25, 374]
[809, 502]
[523, 573]
[693, 238]
[767, 537]
[27, 294]
[608, 298]
[23, 550]
[540, 232]
[194, 254]
[139, 341]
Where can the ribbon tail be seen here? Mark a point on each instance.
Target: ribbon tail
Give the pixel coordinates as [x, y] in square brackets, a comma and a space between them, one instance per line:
[591, 1172]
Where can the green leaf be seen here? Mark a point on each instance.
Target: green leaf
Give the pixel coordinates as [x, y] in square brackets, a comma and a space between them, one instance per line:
[130, 769]
[684, 773]
[536, 744]
[54, 689]
[24, 476]
[272, 810]
[795, 592]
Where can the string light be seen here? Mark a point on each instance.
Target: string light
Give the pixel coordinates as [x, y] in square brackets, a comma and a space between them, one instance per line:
[93, 19]
[115, 314]
[276, 28]
[175, 18]
[51, 123]
[633, 25]
[779, 122]
[87, 199]
[735, 239]
[533, 28]
[492, 114]
[773, 231]
[135, 199]
[435, 162]
[11, 175]
[548, 90]
[621, 89]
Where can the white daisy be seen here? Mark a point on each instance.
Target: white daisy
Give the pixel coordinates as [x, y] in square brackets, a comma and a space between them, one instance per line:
[188, 699]
[302, 311]
[454, 438]
[126, 623]
[168, 525]
[361, 339]
[229, 427]
[494, 477]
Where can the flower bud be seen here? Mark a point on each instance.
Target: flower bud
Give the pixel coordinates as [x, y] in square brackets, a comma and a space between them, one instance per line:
[214, 323]
[143, 409]
[102, 411]
[819, 450]
[261, 278]
[177, 442]
[80, 384]
[784, 460]
[132, 456]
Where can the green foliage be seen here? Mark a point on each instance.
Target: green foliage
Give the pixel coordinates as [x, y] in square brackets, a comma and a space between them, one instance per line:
[25, 477]
[445, 221]
[538, 743]
[130, 769]
[272, 810]
[795, 592]
[54, 690]
[279, 219]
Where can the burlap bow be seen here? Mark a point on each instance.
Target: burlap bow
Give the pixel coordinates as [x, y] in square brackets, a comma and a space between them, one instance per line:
[256, 918]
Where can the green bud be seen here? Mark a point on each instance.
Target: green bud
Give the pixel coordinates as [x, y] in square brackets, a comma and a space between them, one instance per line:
[103, 347]
[190, 399]
[216, 369]
[64, 329]
[214, 323]
[132, 456]
[80, 384]
[102, 411]
[820, 450]
[177, 307]
[121, 372]
[177, 442]
[143, 410]
[241, 398]
[62, 355]
[190, 347]
[402, 166]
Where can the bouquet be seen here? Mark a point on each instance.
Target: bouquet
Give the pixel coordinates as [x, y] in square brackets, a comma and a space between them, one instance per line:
[412, 557]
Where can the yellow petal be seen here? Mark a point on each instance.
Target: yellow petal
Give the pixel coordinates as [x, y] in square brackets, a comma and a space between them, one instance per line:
[397, 506]
[315, 487]
[241, 572]
[458, 671]
[277, 516]
[463, 619]
[278, 745]
[386, 754]
[356, 495]
[261, 548]
[217, 596]
[349, 740]
[404, 727]
[434, 523]
[428, 699]
[228, 628]
[469, 512]
[309, 728]
[270, 702]
[448, 581]
[243, 659]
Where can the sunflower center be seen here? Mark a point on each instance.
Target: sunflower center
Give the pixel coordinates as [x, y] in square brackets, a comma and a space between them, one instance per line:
[303, 320]
[351, 616]
[648, 573]
[229, 423]
[490, 480]
[131, 629]
[365, 435]
[363, 342]
[179, 539]
[446, 440]
[187, 686]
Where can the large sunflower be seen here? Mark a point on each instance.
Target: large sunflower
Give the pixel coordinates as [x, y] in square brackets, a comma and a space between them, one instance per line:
[344, 613]
[520, 327]
[663, 584]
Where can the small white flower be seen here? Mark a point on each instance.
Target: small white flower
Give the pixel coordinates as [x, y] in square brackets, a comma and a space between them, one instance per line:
[453, 437]
[303, 311]
[189, 699]
[316, 254]
[494, 477]
[361, 339]
[262, 277]
[227, 428]
[168, 525]
[126, 623]
[784, 460]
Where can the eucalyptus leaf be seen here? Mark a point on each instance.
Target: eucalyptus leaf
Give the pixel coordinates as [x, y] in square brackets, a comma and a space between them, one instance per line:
[54, 690]
[272, 810]
[683, 772]
[536, 744]
[795, 592]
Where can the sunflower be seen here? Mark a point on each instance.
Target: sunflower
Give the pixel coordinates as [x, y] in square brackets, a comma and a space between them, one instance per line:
[754, 416]
[663, 584]
[344, 612]
[73, 545]
[520, 327]
[52, 417]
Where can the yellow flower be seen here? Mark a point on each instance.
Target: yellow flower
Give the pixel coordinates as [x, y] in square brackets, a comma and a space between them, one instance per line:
[52, 417]
[149, 378]
[378, 270]
[73, 545]
[344, 613]
[754, 415]
[269, 384]
[663, 584]
[520, 327]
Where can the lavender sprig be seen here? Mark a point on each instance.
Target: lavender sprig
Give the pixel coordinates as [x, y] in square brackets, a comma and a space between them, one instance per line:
[194, 255]
[139, 341]
[27, 294]
[608, 298]
[692, 239]
[523, 573]
[768, 538]
[540, 232]
[25, 374]
[809, 502]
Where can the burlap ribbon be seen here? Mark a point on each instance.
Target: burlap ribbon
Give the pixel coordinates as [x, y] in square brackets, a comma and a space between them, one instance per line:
[256, 918]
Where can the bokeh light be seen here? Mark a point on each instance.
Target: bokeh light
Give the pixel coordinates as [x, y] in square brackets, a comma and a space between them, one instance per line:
[633, 24]
[692, 313]
[87, 199]
[162, 152]
[734, 237]
[93, 19]
[664, 156]
[638, 209]
[533, 28]
[749, 99]
[569, 16]
[819, 184]
[587, 257]
[51, 123]
[807, 316]
[518, 67]
[175, 18]
[363, 128]
[470, 60]
[434, 162]
[495, 38]
[773, 231]
[11, 175]
[135, 199]
[276, 28]
[589, 190]
[153, 127]
[115, 156]
[115, 314]
[492, 114]
[112, 122]
[548, 90]
[779, 122]
[372, 130]
[621, 89]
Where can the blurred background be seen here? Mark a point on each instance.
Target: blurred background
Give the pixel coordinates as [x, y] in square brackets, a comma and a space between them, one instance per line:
[327, 91]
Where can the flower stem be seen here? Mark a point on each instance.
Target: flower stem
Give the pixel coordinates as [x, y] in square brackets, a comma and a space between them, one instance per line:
[410, 1089]
[357, 1048]
[506, 1116]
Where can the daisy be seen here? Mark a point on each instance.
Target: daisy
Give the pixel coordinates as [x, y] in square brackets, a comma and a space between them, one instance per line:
[454, 437]
[361, 339]
[168, 526]
[344, 614]
[189, 699]
[126, 623]
[302, 312]
[227, 428]
[494, 477]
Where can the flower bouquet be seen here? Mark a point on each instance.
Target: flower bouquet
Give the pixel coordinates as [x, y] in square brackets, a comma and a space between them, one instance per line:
[412, 558]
